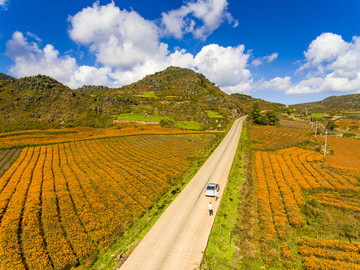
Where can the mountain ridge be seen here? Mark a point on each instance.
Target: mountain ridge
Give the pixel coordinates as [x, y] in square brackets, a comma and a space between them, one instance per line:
[174, 94]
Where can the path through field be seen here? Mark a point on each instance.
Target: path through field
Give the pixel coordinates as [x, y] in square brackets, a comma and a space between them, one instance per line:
[179, 237]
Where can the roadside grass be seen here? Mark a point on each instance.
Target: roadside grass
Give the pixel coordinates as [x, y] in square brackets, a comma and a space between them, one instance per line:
[212, 114]
[222, 246]
[125, 244]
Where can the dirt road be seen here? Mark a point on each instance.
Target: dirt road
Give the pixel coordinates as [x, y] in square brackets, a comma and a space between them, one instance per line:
[179, 237]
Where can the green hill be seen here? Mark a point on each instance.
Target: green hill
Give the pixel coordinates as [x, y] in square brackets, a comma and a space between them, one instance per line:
[182, 95]
[334, 103]
[40, 101]
[179, 97]
[247, 102]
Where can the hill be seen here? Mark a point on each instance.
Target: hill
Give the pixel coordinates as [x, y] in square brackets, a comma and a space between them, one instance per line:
[247, 102]
[180, 97]
[333, 103]
[40, 101]
[176, 97]
[183, 96]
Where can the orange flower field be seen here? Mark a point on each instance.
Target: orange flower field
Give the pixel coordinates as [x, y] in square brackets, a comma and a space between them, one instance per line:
[37, 137]
[282, 178]
[61, 204]
[272, 137]
[346, 152]
[7, 157]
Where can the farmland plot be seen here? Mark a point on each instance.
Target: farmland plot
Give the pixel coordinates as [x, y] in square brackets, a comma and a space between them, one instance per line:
[282, 179]
[272, 137]
[7, 157]
[346, 152]
[62, 204]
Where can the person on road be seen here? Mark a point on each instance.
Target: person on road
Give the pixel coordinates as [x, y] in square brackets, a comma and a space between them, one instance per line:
[216, 194]
[210, 209]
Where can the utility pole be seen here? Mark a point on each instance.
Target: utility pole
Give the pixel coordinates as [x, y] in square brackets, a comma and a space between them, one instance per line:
[325, 142]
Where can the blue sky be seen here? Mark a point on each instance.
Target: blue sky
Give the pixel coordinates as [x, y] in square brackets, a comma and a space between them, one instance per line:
[280, 50]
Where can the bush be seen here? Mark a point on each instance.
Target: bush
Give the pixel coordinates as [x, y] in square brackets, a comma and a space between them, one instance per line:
[167, 123]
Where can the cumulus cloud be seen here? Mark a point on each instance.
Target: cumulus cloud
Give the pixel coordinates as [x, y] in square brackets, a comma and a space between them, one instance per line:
[323, 49]
[265, 59]
[127, 47]
[277, 83]
[332, 65]
[200, 18]
[119, 38]
[226, 66]
[30, 60]
[4, 4]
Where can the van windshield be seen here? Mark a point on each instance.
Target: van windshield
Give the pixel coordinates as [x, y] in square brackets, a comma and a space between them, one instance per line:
[210, 188]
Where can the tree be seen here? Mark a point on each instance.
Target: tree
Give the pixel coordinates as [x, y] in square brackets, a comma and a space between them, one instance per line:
[255, 112]
[272, 118]
[262, 120]
[331, 126]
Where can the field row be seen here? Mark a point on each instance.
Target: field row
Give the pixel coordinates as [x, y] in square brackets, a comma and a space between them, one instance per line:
[346, 152]
[281, 178]
[7, 157]
[328, 254]
[38, 137]
[272, 137]
[343, 201]
[61, 204]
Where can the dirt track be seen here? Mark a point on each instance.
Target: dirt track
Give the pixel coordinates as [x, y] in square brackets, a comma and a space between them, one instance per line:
[179, 237]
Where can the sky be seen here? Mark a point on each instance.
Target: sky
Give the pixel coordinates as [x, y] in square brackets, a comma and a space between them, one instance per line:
[286, 51]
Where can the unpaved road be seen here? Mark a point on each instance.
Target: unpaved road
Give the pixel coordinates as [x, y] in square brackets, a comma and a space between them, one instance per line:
[179, 237]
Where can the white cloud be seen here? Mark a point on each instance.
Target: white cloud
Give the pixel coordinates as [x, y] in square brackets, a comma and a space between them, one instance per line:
[265, 59]
[337, 66]
[277, 83]
[211, 14]
[330, 65]
[119, 38]
[127, 47]
[325, 48]
[226, 66]
[4, 4]
[30, 60]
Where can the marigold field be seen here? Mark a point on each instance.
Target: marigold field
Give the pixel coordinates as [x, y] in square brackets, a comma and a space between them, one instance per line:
[273, 137]
[34, 137]
[346, 152]
[61, 204]
[298, 195]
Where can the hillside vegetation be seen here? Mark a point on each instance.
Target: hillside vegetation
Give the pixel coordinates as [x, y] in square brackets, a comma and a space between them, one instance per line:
[180, 97]
[333, 104]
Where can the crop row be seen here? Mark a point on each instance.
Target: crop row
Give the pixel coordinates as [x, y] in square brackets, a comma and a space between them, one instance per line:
[281, 178]
[346, 202]
[62, 204]
[271, 137]
[328, 254]
[7, 157]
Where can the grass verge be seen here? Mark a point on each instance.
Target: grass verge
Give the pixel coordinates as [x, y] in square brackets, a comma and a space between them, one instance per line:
[222, 245]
